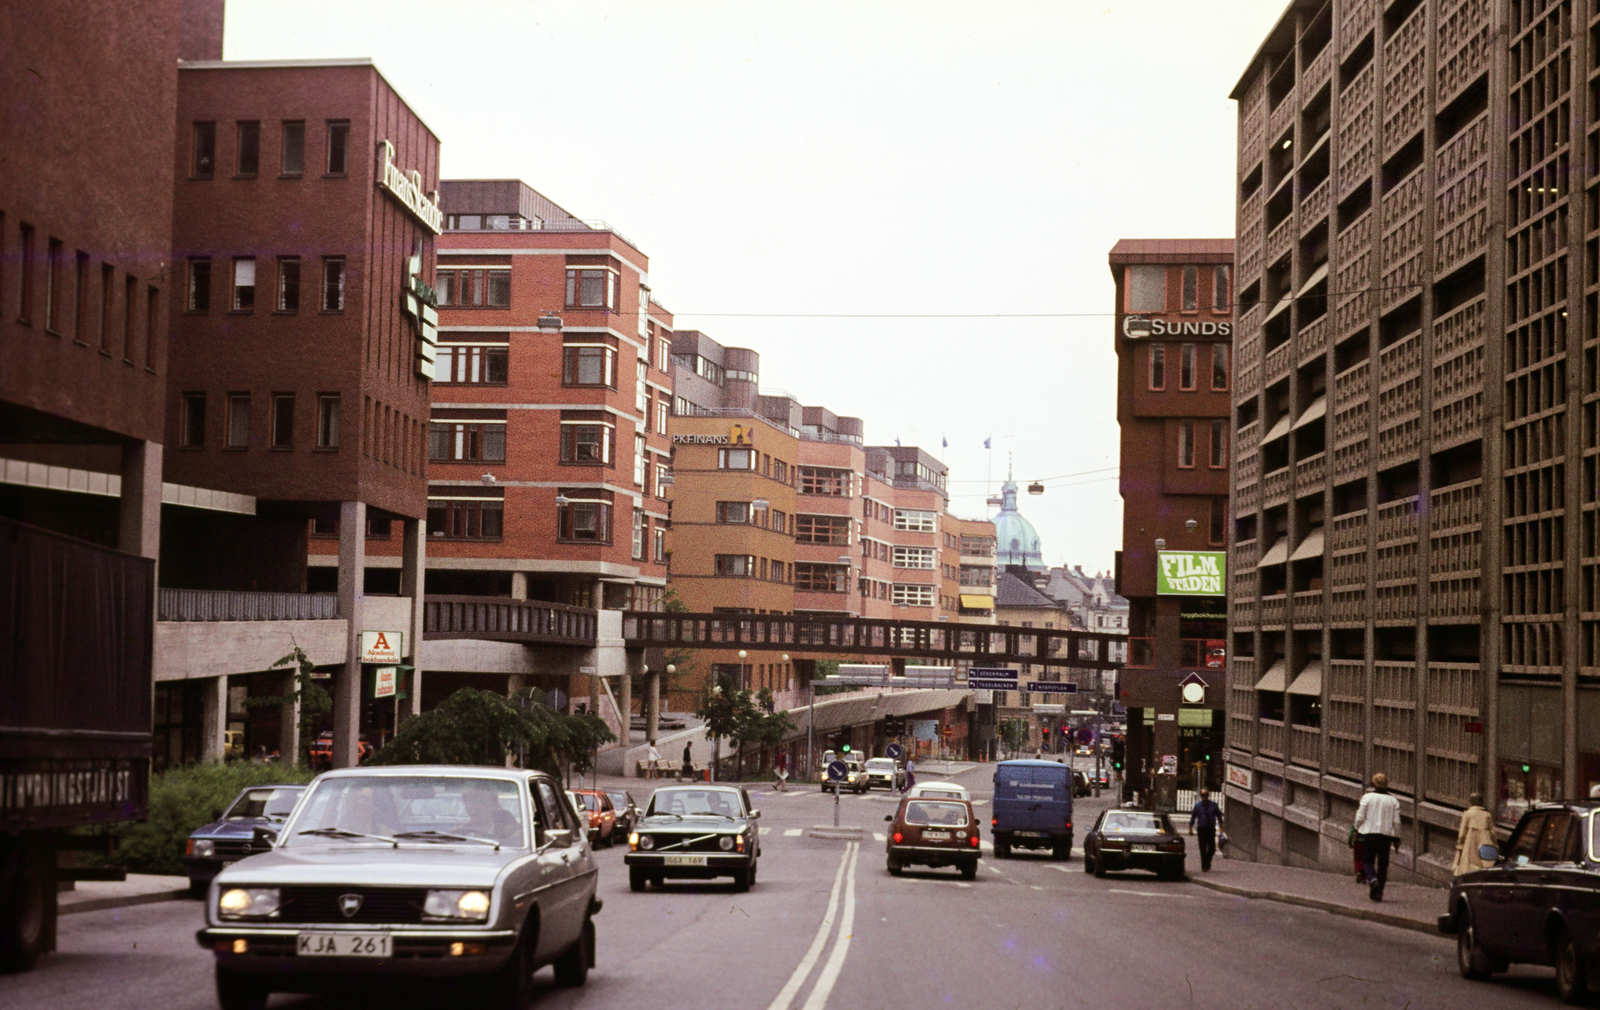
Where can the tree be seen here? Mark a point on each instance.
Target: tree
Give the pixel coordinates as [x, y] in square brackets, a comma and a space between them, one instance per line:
[722, 713]
[742, 718]
[473, 727]
[1014, 733]
[313, 699]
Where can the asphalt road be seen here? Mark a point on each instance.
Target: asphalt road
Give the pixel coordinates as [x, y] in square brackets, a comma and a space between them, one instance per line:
[826, 926]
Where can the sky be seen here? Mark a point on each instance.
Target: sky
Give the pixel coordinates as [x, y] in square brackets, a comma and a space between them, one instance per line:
[903, 206]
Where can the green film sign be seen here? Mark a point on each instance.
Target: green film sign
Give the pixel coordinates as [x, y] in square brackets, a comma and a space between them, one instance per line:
[1191, 573]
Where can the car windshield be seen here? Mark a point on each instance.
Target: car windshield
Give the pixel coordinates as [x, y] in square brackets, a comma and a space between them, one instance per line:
[589, 801]
[943, 794]
[428, 808]
[696, 803]
[1133, 820]
[275, 803]
[936, 813]
[619, 800]
[881, 765]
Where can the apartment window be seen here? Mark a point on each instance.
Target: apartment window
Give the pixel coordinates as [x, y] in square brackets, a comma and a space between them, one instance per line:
[659, 536]
[338, 146]
[638, 534]
[1219, 519]
[736, 459]
[152, 313]
[328, 421]
[108, 277]
[663, 354]
[733, 512]
[238, 420]
[465, 288]
[288, 284]
[1158, 366]
[1147, 289]
[1219, 443]
[735, 564]
[466, 518]
[282, 420]
[205, 151]
[1191, 288]
[130, 305]
[1186, 443]
[824, 480]
[819, 578]
[249, 149]
[663, 412]
[294, 147]
[912, 595]
[779, 571]
[833, 530]
[639, 468]
[663, 479]
[583, 365]
[194, 420]
[333, 284]
[779, 522]
[915, 520]
[80, 300]
[1221, 288]
[244, 283]
[467, 441]
[1187, 355]
[780, 471]
[591, 288]
[473, 364]
[584, 520]
[1219, 366]
[586, 443]
[25, 255]
[641, 391]
[914, 557]
[199, 299]
[52, 286]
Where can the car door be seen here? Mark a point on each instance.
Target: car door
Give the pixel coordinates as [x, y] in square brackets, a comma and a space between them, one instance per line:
[1536, 884]
[564, 871]
[1493, 892]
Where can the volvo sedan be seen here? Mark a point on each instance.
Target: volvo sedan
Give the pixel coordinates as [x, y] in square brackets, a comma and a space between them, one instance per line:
[1134, 840]
[695, 833]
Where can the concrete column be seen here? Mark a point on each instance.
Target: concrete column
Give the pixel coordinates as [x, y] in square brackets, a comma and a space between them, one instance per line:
[519, 585]
[214, 718]
[289, 723]
[635, 666]
[413, 572]
[140, 527]
[346, 685]
[652, 701]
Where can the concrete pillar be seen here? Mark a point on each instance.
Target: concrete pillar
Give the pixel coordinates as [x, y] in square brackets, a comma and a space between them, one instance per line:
[213, 718]
[413, 572]
[346, 684]
[635, 666]
[140, 526]
[289, 723]
[652, 701]
[519, 585]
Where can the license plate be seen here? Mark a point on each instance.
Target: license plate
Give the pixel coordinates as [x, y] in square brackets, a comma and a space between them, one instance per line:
[1144, 848]
[936, 836]
[1029, 834]
[343, 945]
[684, 860]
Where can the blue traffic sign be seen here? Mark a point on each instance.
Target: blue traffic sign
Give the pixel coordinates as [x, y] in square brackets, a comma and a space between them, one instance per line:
[837, 771]
[1051, 687]
[894, 750]
[991, 679]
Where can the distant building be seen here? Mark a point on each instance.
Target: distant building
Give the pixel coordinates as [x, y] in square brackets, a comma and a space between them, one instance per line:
[1019, 603]
[1016, 541]
[1093, 601]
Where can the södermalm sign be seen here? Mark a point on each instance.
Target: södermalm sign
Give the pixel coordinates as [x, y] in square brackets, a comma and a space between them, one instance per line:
[406, 188]
[1140, 327]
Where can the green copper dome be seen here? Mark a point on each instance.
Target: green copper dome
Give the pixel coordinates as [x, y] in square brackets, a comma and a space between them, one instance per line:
[1016, 541]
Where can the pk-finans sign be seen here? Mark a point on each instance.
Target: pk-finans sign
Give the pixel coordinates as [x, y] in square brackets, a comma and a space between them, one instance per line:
[1141, 327]
[739, 434]
[406, 188]
[1191, 573]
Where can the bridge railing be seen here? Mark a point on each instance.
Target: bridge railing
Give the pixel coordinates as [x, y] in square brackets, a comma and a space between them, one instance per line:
[498, 619]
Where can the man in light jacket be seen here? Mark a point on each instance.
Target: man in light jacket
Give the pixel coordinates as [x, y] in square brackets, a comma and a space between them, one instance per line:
[1476, 828]
[1377, 824]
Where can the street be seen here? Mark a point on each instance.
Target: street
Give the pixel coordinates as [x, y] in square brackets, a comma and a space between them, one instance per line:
[826, 926]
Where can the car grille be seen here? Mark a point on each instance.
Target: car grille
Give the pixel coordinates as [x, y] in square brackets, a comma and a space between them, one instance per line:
[378, 904]
[238, 850]
[708, 844]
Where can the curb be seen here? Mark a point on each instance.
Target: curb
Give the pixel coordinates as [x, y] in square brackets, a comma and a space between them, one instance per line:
[844, 832]
[100, 904]
[1332, 907]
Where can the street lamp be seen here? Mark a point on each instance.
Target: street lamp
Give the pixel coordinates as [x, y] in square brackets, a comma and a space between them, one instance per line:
[549, 323]
[742, 655]
[1190, 525]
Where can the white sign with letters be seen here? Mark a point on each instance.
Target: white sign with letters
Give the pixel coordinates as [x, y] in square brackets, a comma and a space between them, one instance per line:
[384, 683]
[382, 646]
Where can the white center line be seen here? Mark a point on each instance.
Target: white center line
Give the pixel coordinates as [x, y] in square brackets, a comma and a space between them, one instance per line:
[841, 946]
[786, 994]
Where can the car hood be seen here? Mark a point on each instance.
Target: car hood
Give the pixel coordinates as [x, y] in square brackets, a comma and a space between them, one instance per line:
[692, 823]
[242, 830]
[348, 863]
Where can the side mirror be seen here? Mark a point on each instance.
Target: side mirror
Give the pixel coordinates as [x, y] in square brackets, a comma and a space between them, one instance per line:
[755, 815]
[265, 835]
[888, 817]
[558, 836]
[1489, 852]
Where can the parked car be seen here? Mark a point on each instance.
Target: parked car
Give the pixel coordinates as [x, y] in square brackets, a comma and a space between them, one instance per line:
[596, 806]
[410, 873]
[933, 832]
[628, 812]
[1032, 808]
[940, 791]
[232, 744]
[1080, 784]
[1134, 840]
[322, 750]
[248, 826]
[1538, 904]
[885, 772]
[696, 833]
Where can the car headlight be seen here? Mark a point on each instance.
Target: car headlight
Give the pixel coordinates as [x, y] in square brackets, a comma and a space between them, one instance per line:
[456, 905]
[725, 843]
[646, 842]
[202, 847]
[248, 902]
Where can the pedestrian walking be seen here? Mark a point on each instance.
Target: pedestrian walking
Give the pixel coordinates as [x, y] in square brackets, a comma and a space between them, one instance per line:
[1476, 828]
[1205, 819]
[783, 769]
[1377, 825]
[653, 756]
[911, 773]
[688, 762]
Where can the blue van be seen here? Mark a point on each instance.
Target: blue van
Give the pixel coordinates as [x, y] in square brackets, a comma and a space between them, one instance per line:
[1032, 807]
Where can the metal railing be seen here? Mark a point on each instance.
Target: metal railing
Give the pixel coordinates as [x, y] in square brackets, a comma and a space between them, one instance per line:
[226, 605]
[499, 619]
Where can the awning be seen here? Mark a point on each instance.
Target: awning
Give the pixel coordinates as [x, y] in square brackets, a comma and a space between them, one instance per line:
[1277, 554]
[977, 602]
[1317, 410]
[1309, 681]
[1278, 310]
[1276, 674]
[1318, 275]
[1278, 430]
[1310, 547]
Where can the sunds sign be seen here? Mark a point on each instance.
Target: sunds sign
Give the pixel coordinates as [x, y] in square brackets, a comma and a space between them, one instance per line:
[1140, 327]
[1191, 573]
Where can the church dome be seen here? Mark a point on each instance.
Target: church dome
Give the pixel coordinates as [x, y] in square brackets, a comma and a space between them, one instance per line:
[1016, 541]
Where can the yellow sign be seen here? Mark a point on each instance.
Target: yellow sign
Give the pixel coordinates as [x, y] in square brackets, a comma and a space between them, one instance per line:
[741, 434]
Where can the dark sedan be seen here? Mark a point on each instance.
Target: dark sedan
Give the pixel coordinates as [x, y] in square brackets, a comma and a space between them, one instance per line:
[695, 832]
[232, 835]
[1133, 840]
[1538, 904]
[628, 812]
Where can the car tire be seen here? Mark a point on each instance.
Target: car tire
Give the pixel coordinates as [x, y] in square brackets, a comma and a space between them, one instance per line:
[1088, 864]
[1572, 975]
[1099, 868]
[240, 992]
[637, 878]
[1062, 852]
[969, 870]
[753, 864]
[25, 908]
[894, 867]
[510, 987]
[1471, 960]
[741, 879]
[198, 888]
[1002, 848]
[572, 967]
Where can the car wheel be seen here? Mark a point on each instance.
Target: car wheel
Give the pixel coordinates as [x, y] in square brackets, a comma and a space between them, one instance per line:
[24, 911]
[894, 867]
[1572, 975]
[1174, 872]
[239, 992]
[741, 879]
[1062, 852]
[637, 878]
[969, 870]
[572, 967]
[198, 888]
[1002, 849]
[1471, 959]
[1088, 864]
[753, 864]
[1099, 867]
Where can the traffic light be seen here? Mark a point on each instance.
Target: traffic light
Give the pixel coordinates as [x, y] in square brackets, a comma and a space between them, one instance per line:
[1118, 751]
[845, 749]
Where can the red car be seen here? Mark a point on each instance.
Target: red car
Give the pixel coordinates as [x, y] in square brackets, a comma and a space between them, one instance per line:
[322, 750]
[602, 816]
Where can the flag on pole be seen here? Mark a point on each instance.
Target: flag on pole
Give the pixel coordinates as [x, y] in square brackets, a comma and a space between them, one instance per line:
[986, 443]
[897, 440]
[944, 443]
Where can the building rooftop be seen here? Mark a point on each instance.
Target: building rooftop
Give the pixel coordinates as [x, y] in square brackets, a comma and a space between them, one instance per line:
[1171, 250]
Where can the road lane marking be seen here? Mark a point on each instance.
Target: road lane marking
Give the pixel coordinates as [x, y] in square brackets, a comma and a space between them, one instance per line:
[1147, 894]
[841, 946]
[1063, 869]
[793, 832]
[786, 994]
[766, 831]
[992, 867]
[877, 836]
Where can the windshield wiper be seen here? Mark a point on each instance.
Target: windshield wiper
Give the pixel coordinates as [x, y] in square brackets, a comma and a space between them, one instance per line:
[440, 836]
[341, 833]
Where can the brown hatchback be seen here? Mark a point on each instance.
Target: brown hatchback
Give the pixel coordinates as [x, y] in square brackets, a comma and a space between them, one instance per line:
[934, 832]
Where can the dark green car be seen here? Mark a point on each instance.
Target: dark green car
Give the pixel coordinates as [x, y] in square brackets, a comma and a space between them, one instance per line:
[695, 833]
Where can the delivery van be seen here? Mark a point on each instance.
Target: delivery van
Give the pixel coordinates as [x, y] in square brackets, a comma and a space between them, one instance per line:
[1032, 808]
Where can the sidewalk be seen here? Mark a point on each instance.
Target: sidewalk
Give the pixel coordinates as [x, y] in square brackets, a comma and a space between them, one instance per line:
[1409, 906]
[138, 889]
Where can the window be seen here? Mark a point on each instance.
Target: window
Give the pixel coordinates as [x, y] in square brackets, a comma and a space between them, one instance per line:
[1219, 518]
[474, 287]
[639, 468]
[1147, 289]
[663, 354]
[638, 534]
[205, 151]
[1219, 366]
[199, 285]
[663, 479]
[288, 284]
[823, 480]
[328, 421]
[810, 577]
[586, 443]
[743, 565]
[130, 301]
[1186, 443]
[914, 557]
[467, 441]
[52, 286]
[736, 459]
[641, 391]
[660, 538]
[1219, 443]
[194, 420]
[916, 520]
[80, 301]
[779, 571]
[591, 288]
[584, 520]
[333, 283]
[108, 276]
[152, 316]
[282, 420]
[249, 149]
[1221, 289]
[1191, 288]
[779, 521]
[473, 364]
[1187, 355]
[584, 365]
[733, 512]
[25, 254]
[912, 595]
[338, 146]
[1158, 366]
[294, 147]
[780, 471]
[663, 412]
[466, 518]
[833, 530]
[238, 420]
[244, 283]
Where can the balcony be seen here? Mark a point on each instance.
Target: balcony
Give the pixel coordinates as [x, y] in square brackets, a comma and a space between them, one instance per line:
[220, 605]
[1274, 610]
[1305, 746]
[498, 619]
[1269, 737]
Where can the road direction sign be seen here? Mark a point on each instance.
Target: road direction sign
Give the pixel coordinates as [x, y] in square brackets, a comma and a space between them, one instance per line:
[992, 679]
[894, 751]
[1051, 687]
[837, 771]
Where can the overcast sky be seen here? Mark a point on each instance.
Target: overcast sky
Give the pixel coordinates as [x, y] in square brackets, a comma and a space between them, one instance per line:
[904, 207]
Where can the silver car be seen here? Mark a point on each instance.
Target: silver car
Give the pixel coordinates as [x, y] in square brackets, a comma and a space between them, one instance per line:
[411, 872]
